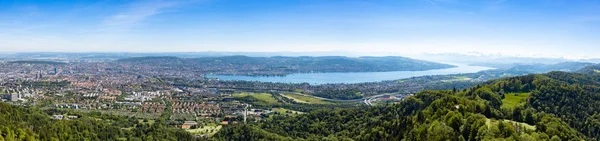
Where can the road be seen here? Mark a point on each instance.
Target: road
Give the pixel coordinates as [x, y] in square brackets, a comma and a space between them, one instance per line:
[367, 100]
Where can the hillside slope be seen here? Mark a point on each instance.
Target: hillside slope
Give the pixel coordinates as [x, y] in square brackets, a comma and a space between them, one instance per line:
[286, 65]
[556, 105]
[594, 69]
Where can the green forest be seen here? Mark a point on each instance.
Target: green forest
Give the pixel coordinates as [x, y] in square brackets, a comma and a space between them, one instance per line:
[554, 106]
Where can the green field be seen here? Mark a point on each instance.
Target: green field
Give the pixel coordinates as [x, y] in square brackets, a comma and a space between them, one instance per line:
[305, 99]
[268, 98]
[282, 110]
[489, 122]
[206, 129]
[461, 77]
[458, 78]
[513, 99]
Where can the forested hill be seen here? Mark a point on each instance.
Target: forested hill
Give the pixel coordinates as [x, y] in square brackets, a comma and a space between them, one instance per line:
[285, 65]
[544, 68]
[552, 106]
[593, 69]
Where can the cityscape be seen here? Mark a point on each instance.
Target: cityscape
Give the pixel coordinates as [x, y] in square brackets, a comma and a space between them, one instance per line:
[299, 70]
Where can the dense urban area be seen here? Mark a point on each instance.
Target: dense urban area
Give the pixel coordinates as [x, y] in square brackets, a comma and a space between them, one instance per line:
[149, 90]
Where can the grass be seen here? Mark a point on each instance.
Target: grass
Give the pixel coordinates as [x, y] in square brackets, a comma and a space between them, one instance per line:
[206, 130]
[268, 98]
[513, 99]
[298, 90]
[489, 122]
[461, 77]
[282, 110]
[458, 78]
[527, 126]
[597, 71]
[305, 99]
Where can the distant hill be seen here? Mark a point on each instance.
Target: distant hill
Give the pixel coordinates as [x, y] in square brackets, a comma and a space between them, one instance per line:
[491, 60]
[149, 58]
[518, 70]
[592, 69]
[280, 65]
[37, 62]
[593, 60]
[543, 68]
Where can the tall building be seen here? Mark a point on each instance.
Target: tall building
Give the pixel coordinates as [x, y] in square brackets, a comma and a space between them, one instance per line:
[14, 97]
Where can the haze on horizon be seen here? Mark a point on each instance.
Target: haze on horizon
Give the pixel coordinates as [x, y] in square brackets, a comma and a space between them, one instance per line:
[536, 27]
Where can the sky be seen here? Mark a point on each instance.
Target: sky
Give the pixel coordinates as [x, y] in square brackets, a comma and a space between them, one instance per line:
[514, 27]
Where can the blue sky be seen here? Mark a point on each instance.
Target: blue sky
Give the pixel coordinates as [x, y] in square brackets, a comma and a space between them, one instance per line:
[525, 27]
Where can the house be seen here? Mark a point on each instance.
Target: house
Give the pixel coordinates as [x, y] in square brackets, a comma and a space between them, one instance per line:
[58, 117]
[14, 97]
[188, 124]
[72, 117]
[227, 122]
[228, 99]
[224, 122]
[457, 107]
[108, 98]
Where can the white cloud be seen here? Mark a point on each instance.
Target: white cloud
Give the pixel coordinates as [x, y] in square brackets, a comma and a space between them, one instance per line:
[138, 12]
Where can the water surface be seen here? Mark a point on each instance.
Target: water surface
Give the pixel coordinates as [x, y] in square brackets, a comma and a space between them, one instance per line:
[351, 77]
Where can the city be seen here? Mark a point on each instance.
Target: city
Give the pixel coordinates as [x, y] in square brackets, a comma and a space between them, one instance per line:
[299, 70]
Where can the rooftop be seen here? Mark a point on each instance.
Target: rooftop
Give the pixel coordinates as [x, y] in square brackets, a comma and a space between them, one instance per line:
[190, 123]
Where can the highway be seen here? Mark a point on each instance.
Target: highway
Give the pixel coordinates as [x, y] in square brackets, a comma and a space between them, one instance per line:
[367, 100]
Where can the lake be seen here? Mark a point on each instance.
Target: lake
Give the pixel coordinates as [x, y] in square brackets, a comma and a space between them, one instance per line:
[351, 77]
